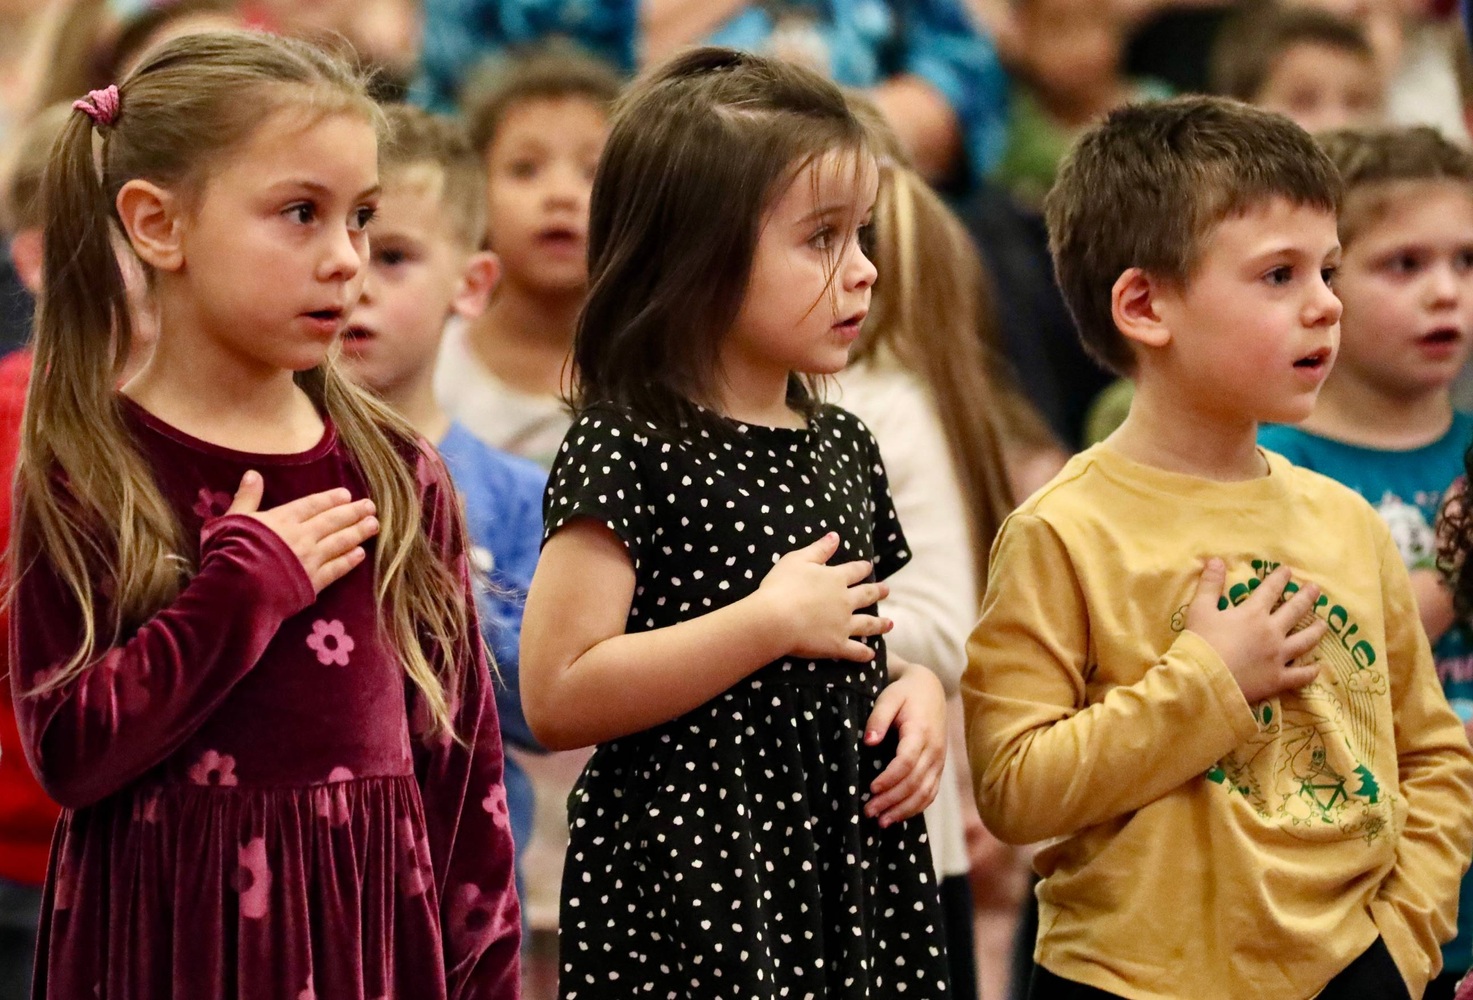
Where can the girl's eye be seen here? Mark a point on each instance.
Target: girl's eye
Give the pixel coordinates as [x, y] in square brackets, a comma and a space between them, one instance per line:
[1463, 260]
[363, 215]
[867, 239]
[303, 212]
[1327, 275]
[522, 169]
[1281, 275]
[823, 239]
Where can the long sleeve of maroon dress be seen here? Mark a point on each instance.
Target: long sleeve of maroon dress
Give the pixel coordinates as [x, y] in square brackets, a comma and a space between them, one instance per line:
[253, 809]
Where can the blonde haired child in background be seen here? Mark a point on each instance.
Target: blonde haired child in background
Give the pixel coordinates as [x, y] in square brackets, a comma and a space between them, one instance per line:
[425, 267]
[921, 379]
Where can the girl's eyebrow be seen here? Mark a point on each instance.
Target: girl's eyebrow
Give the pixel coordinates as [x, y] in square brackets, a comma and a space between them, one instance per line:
[833, 209]
[322, 190]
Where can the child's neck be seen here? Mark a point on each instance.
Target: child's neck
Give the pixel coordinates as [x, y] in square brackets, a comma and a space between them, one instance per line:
[525, 338]
[1167, 433]
[1352, 411]
[414, 400]
[753, 394]
[215, 398]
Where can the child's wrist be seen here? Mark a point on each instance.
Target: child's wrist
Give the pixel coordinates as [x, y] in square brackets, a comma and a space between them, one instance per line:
[769, 623]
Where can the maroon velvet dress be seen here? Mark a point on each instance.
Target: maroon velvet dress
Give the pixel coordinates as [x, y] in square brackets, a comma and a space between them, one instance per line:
[248, 815]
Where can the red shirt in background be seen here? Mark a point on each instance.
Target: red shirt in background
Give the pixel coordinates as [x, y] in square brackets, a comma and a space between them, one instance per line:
[27, 816]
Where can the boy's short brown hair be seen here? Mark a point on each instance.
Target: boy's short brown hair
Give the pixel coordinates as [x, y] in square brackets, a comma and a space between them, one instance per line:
[1254, 39]
[1144, 188]
[1372, 161]
[553, 71]
[418, 138]
[21, 172]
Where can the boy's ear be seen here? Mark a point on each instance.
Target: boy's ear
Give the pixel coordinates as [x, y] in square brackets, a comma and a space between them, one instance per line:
[152, 219]
[26, 254]
[1136, 311]
[477, 282]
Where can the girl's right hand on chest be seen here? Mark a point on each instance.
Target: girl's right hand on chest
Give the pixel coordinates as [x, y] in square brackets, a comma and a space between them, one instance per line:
[325, 531]
[816, 603]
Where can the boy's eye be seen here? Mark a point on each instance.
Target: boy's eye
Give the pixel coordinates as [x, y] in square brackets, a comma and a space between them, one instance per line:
[363, 215]
[1281, 275]
[1403, 263]
[1463, 259]
[1327, 275]
[390, 258]
[303, 212]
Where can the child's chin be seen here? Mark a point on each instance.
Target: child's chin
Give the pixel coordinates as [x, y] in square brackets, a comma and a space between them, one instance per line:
[1289, 413]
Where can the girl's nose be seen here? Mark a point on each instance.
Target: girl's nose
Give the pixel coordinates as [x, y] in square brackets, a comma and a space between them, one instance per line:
[861, 270]
[344, 256]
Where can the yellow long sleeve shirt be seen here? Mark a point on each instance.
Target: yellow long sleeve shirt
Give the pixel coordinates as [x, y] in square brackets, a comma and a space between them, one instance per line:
[1199, 847]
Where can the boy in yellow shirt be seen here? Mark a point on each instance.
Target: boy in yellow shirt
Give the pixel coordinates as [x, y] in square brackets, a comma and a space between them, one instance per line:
[1248, 779]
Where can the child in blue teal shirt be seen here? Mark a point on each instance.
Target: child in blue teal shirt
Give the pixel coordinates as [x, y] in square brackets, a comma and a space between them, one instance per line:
[1385, 424]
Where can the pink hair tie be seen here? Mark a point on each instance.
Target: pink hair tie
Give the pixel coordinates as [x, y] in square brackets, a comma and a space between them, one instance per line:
[100, 105]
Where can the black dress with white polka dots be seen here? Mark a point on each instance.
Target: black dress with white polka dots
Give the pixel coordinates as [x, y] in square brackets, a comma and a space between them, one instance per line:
[726, 854]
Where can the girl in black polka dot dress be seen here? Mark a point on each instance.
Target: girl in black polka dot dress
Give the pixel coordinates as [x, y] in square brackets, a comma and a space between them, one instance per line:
[706, 605]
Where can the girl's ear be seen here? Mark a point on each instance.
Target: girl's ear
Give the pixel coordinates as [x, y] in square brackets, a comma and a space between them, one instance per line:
[1136, 308]
[477, 282]
[152, 218]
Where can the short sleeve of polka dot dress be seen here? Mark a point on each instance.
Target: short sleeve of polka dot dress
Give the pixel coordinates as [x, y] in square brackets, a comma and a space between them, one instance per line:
[725, 855]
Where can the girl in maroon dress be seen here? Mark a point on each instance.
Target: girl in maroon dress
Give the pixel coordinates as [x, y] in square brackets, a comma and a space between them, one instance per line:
[245, 651]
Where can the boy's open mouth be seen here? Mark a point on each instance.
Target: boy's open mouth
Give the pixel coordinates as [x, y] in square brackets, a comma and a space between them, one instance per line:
[1315, 360]
[357, 333]
[1443, 335]
[327, 315]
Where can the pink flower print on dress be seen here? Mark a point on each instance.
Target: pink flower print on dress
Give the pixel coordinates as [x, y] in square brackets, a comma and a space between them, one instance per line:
[214, 769]
[477, 917]
[253, 879]
[414, 855]
[211, 504]
[495, 804]
[331, 642]
[333, 806]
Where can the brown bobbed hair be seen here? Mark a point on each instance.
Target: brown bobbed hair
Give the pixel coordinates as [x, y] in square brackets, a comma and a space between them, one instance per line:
[697, 152]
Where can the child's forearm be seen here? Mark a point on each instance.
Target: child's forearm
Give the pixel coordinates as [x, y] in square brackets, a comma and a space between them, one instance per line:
[1044, 769]
[634, 681]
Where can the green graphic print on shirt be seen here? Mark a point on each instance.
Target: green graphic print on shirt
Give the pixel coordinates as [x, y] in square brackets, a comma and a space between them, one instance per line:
[1309, 767]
